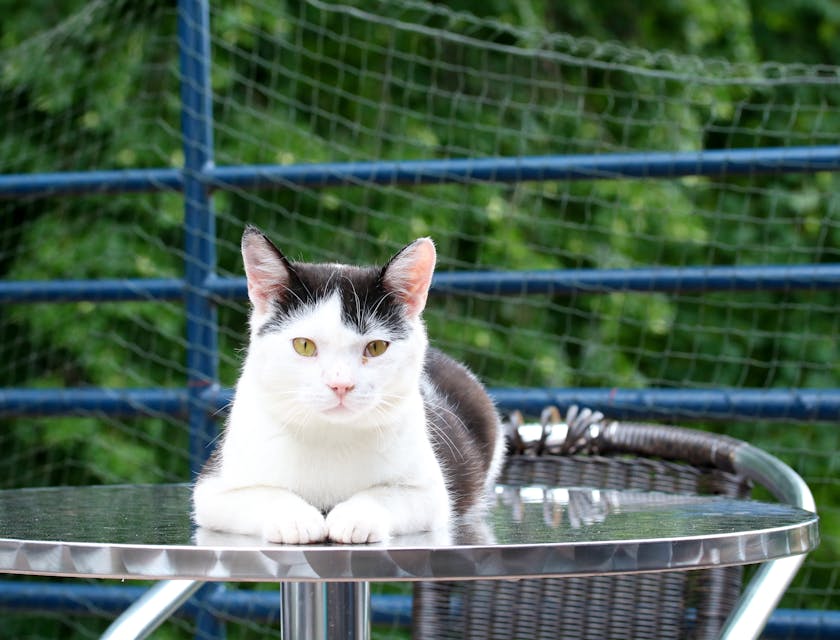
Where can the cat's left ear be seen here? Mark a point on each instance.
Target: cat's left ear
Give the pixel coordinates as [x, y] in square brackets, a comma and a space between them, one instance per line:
[409, 274]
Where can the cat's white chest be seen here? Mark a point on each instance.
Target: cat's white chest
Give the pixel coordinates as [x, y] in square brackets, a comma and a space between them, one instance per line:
[327, 468]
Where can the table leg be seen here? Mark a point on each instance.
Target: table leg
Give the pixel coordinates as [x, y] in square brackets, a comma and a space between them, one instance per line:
[151, 609]
[325, 610]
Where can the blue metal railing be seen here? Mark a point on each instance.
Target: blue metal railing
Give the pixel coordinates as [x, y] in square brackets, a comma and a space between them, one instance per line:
[264, 607]
[199, 222]
[624, 404]
[729, 162]
[549, 282]
[201, 286]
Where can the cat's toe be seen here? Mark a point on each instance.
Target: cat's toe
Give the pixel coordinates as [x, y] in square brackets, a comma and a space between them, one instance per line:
[305, 526]
[356, 532]
[349, 524]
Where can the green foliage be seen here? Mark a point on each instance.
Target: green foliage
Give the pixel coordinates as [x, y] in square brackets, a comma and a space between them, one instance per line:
[95, 85]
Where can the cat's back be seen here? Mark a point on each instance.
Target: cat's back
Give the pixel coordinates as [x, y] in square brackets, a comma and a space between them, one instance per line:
[464, 428]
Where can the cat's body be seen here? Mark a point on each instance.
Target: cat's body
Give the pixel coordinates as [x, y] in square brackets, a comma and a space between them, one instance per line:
[345, 425]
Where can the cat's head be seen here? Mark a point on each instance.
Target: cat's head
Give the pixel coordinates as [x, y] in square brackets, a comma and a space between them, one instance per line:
[336, 344]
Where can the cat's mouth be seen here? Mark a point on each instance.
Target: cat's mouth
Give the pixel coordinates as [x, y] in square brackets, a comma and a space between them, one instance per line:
[344, 412]
[339, 410]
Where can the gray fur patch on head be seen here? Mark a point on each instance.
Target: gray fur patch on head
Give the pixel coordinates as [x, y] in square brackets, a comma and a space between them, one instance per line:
[390, 297]
[365, 301]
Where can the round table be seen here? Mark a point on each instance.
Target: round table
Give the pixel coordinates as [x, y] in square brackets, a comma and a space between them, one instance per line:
[145, 532]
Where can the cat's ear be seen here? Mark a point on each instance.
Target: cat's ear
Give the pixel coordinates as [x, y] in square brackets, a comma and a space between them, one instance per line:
[267, 270]
[409, 274]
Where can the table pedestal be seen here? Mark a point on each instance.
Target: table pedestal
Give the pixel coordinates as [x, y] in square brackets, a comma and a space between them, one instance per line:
[310, 610]
[325, 610]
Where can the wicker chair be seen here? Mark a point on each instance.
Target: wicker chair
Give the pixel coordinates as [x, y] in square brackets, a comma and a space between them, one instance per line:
[584, 451]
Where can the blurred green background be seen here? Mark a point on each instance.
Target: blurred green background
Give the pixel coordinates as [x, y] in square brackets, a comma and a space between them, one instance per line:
[95, 85]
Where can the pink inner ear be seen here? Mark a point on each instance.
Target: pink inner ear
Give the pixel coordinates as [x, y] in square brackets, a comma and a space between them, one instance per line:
[265, 270]
[409, 274]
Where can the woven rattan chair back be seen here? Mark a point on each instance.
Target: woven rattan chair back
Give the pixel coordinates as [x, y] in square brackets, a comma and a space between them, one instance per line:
[660, 605]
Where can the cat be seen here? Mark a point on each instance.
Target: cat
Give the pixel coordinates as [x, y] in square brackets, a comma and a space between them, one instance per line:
[346, 426]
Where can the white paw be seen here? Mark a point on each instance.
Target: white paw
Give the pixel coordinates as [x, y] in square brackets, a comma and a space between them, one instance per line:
[357, 521]
[298, 524]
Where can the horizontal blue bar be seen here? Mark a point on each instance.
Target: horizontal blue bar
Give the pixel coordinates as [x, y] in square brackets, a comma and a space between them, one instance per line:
[84, 401]
[643, 280]
[810, 277]
[531, 168]
[657, 404]
[717, 162]
[66, 597]
[107, 290]
[110, 600]
[78, 182]
[682, 404]
[802, 624]
[618, 404]
[260, 606]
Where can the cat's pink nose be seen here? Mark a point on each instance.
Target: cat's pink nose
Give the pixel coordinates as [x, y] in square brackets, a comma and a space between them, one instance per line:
[341, 390]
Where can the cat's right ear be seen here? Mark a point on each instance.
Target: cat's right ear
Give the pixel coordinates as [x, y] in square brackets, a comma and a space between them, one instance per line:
[266, 268]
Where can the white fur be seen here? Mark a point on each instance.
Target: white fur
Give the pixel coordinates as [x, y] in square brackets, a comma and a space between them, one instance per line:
[293, 449]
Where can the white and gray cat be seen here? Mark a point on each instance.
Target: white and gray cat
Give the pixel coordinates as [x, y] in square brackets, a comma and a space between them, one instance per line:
[345, 424]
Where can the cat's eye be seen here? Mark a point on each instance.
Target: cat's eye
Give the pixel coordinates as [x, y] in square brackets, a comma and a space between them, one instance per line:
[376, 348]
[305, 347]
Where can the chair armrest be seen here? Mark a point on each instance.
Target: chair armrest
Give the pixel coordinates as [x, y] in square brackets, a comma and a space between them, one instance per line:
[771, 580]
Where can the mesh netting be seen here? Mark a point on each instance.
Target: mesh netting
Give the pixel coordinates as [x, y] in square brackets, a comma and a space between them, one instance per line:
[96, 86]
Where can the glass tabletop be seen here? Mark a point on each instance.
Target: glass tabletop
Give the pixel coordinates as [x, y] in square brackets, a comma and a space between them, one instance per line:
[145, 531]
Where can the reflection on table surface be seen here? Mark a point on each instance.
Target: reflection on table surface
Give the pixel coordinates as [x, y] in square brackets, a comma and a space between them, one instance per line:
[160, 515]
[527, 531]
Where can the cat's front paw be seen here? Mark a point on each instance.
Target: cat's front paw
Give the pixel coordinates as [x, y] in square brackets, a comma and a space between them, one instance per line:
[358, 521]
[300, 524]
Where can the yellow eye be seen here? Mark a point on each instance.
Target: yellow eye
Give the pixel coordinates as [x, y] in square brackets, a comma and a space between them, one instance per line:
[305, 347]
[376, 348]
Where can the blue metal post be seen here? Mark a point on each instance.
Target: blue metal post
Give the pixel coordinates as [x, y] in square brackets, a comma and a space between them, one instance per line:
[199, 238]
[199, 222]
